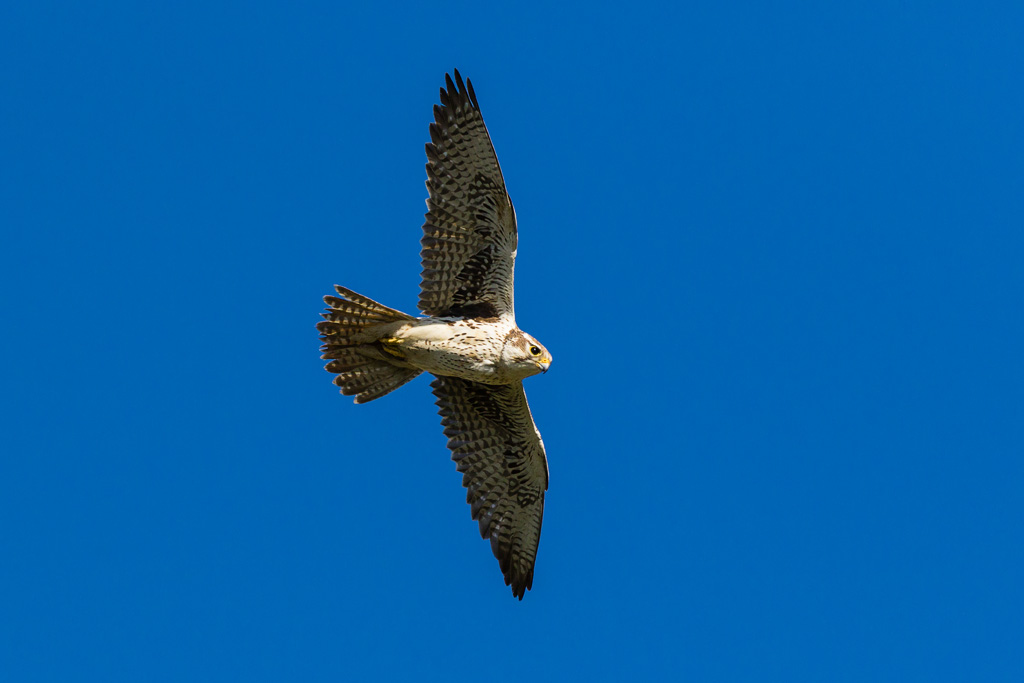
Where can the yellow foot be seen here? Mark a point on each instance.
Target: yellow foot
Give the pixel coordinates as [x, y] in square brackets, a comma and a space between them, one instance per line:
[392, 345]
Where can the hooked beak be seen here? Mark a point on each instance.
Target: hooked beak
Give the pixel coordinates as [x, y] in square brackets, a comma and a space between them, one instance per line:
[544, 364]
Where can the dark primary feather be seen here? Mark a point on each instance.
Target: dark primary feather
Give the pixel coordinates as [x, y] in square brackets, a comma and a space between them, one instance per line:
[496, 446]
[469, 235]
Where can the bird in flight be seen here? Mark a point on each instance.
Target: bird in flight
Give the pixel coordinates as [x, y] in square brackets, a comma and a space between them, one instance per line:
[468, 338]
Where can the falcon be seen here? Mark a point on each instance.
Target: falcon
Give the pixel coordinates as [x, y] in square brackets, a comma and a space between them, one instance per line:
[468, 339]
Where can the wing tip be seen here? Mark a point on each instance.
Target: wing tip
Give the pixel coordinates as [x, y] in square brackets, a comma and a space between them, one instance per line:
[457, 93]
[520, 585]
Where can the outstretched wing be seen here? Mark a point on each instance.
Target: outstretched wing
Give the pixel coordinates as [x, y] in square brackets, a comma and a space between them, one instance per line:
[498, 449]
[469, 237]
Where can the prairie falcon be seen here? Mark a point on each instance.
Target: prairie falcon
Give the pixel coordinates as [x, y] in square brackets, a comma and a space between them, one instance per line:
[468, 340]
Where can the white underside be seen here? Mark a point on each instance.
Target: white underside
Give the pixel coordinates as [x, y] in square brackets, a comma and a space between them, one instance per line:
[457, 348]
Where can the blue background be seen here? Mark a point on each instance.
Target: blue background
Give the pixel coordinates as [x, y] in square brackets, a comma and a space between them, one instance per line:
[774, 248]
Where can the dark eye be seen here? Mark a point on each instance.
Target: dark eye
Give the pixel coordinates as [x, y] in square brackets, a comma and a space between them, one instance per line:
[534, 350]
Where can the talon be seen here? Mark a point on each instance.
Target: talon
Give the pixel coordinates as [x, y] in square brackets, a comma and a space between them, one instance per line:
[391, 346]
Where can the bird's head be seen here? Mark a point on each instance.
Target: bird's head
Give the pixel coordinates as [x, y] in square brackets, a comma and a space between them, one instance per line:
[524, 356]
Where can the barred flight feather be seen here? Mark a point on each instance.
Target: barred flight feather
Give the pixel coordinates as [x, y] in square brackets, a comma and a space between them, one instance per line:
[496, 447]
[467, 250]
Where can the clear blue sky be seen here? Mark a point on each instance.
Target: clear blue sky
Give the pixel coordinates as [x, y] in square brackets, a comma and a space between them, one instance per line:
[775, 249]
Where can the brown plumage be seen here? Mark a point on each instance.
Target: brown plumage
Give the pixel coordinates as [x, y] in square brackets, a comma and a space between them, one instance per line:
[469, 338]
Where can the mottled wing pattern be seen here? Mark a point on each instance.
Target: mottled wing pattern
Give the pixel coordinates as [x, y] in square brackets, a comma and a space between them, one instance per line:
[498, 449]
[469, 237]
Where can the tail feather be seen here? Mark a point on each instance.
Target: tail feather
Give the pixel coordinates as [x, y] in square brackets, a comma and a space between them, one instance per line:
[368, 305]
[351, 333]
[348, 312]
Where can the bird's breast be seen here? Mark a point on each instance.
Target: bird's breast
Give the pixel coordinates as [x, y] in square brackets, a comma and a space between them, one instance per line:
[452, 347]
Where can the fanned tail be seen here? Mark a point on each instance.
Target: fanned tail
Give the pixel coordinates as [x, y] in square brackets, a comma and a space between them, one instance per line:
[351, 332]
